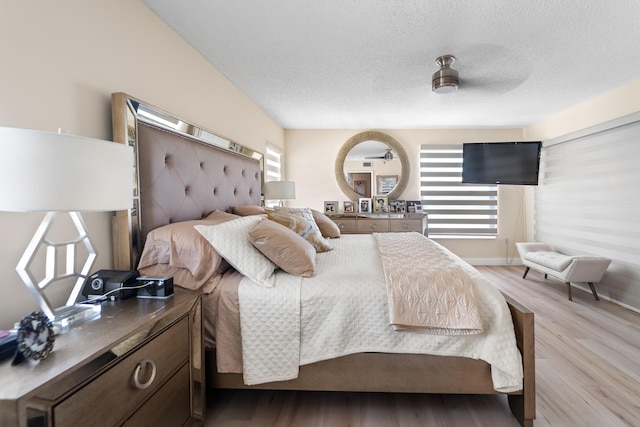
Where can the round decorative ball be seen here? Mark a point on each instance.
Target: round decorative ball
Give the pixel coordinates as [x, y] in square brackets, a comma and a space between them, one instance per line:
[35, 336]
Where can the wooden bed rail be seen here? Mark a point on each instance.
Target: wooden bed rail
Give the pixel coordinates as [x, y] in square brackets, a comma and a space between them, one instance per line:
[523, 406]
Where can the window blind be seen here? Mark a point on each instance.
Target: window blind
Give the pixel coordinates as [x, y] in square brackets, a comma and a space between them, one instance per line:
[272, 168]
[273, 163]
[588, 202]
[455, 210]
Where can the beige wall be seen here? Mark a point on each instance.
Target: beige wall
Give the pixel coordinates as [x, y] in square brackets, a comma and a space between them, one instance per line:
[61, 60]
[618, 103]
[311, 164]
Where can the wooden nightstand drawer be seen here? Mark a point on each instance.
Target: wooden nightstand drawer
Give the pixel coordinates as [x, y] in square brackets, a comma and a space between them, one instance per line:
[170, 406]
[133, 380]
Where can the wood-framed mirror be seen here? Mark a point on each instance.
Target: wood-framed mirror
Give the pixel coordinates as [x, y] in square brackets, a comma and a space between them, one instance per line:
[382, 148]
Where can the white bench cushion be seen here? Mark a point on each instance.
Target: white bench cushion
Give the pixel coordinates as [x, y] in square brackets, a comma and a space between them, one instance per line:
[552, 260]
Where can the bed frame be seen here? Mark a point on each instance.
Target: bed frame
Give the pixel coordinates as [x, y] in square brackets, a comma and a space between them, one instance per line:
[179, 177]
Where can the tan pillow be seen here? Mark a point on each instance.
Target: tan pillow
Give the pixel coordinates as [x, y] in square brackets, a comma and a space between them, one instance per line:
[327, 227]
[303, 212]
[248, 210]
[286, 249]
[179, 245]
[302, 227]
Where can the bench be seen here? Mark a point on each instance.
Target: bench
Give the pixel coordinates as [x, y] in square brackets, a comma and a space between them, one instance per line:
[566, 268]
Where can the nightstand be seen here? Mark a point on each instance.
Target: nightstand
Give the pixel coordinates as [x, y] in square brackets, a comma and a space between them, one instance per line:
[139, 363]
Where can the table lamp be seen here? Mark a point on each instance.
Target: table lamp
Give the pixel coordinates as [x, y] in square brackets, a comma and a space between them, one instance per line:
[279, 190]
[60, 173]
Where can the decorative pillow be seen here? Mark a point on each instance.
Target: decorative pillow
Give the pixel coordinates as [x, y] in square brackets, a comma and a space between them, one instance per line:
[231, 240]
[303, 212]
[327, 227]
[302, 227]
[180, 246]
[285, 248]
[248, 210]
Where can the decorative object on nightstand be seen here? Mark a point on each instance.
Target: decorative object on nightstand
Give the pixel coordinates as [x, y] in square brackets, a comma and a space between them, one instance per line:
[35, 338]
[55, 173]
[279, 190]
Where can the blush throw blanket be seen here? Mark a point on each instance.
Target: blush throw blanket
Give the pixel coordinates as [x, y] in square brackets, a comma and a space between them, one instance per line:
[427, 291]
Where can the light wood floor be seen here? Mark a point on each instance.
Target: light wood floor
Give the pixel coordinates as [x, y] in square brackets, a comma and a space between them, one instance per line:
[587, 374]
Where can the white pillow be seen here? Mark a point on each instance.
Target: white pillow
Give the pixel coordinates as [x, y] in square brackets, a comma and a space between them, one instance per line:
[231, 241]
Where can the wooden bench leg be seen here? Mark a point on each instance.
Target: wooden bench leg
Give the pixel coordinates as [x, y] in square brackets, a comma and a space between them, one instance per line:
[593, 290]
[569, 290]
[526, 270]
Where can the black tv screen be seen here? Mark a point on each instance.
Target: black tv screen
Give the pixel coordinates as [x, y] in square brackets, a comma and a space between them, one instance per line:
[515, 163]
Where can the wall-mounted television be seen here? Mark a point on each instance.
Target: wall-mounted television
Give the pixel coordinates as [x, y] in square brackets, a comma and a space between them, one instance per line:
[515, 163]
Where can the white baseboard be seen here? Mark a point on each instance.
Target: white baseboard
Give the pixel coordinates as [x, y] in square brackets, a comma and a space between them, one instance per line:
[493, 261]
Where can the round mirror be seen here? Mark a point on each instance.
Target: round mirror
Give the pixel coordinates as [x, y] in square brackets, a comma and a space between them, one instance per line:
[372, 163]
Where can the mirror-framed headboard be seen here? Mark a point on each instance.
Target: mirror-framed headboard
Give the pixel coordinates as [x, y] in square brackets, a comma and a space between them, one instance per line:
[181, 172]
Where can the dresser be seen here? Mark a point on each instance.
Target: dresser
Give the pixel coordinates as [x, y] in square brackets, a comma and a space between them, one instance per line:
[139, 363]
[380, 223]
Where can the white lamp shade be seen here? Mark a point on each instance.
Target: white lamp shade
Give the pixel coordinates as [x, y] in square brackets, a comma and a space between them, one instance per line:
[47, 171]
[279, 190]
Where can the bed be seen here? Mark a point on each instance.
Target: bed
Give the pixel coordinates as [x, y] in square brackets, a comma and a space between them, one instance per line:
[183, 182]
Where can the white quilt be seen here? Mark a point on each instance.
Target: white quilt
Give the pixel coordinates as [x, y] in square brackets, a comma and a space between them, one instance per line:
[343, 310]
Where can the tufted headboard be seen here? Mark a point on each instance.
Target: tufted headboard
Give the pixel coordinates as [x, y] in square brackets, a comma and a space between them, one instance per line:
[180, 174]
[182, 178]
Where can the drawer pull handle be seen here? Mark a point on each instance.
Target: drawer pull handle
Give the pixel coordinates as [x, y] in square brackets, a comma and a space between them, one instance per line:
[405, 225]
[340, 225]
[373, 226]
[136, 380]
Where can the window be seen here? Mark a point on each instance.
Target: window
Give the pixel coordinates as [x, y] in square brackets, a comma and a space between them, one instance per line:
[455, 210]
[273, 167]
[273, 163]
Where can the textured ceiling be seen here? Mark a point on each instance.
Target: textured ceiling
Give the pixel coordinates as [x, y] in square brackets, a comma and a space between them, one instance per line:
[352, 64]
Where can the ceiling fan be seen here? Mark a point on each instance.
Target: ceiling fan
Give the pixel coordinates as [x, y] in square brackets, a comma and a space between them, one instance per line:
[388, 155]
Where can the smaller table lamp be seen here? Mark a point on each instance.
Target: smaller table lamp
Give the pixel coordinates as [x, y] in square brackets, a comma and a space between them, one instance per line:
[58, 173]
[279, 190]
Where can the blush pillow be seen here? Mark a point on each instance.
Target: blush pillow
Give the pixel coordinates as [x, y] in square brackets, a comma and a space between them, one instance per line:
[247, 210]
[182, 248]
[231, 240]
[301, 227]
[327, 227]
[286, 249]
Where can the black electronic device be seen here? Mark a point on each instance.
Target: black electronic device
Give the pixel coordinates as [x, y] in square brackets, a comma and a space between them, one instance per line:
[155, 287]
[515, 163]
[112, 284]
[8, 344]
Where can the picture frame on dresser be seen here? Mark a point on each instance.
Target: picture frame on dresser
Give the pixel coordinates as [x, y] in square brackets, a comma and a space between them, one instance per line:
[397, 206]
[349, 206]
[331, 207]
[381, 204]
[413, 206]
[364, 205]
